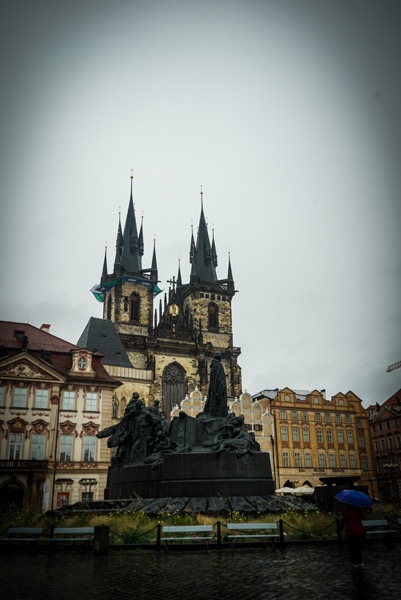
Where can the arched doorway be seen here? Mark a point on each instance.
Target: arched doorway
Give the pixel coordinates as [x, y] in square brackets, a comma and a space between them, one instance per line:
[174, 386]
[11, 494]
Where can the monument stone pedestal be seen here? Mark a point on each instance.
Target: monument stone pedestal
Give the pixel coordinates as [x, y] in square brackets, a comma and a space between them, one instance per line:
[194, 474]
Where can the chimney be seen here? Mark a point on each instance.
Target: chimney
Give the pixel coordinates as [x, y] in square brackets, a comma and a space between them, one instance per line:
[45, 327]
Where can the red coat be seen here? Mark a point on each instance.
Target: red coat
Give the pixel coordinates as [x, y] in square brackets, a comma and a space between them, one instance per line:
[352, 521]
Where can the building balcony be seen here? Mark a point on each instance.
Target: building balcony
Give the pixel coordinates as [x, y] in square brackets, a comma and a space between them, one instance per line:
[23, 465]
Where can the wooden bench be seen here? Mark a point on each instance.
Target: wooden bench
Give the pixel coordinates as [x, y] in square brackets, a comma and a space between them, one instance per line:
[72, 535]
[257, 531]
[186, 533]
[377, 527]
[22, 535]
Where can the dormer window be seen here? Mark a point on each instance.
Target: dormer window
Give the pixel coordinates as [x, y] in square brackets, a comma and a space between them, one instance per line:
[82, 363]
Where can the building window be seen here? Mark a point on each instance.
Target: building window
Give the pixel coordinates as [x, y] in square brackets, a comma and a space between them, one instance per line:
[297, 459]
[318, 417]
[352, 461]
[283, 414]
[41, 398]
[316, 400]
[304, 416]
[135, 305]
[20, 395]
[89, 448]
[340, 436]
[361, 440]
[390, 443]
[380, 427]
[213, 316]
[287, 398]
[398, 441]
[68, 401]
[382, 445]
[2, 396]
[350, 437]
[348, 419]
[91, 401]
[338, 418]
[322, 460]
[364, 463]
[319, 435]
[305, 434]
[87, 496]
[329, 436]
[286, 458]
[395, 422]
[66, 447]
[327, 417]
[38, 446]
[388, 424]
[358, 422]
[15, 446]
[294, 416]
[284, 434]
[308, 459]
[376, 444]
[341, 401]
[343, 461]
[332, 460]
[295, 434]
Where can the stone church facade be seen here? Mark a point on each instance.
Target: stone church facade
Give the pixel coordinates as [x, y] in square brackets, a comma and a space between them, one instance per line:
[167, 344]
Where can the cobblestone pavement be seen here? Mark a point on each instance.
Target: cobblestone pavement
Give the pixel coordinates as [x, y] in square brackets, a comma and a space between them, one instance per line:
[295, 573]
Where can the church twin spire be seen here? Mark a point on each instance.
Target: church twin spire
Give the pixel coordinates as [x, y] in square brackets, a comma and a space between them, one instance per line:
[130, 249]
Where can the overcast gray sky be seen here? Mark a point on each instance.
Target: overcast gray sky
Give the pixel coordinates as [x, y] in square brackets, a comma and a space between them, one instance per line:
[287, 112]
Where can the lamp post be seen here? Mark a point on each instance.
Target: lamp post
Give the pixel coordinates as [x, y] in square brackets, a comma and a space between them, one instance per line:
[371, 480]
[392, 469]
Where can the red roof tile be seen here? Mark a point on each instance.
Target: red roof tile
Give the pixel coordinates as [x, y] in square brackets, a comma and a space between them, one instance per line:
[37, 339]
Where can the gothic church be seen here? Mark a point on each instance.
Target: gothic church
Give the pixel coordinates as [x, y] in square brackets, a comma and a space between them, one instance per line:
[163, 352]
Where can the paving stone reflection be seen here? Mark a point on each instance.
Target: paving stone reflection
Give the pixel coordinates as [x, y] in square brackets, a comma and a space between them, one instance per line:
[296, 573]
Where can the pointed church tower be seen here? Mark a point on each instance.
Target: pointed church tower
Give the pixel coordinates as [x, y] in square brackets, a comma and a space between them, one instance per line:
[208, 300]
[128, 291]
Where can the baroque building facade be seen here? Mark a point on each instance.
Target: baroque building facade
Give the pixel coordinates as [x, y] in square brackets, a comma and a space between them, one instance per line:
[167, 344]
[385, 426]
[54, 398]
[317, 441]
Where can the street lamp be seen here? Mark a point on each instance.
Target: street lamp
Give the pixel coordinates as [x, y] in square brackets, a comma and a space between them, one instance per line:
[371, 480]
[392, 468]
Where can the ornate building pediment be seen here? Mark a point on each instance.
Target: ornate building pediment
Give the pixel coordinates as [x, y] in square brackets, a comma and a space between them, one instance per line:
[90, 428]
[17, 425]
[68, 428]
[39, 426]
[23, 366]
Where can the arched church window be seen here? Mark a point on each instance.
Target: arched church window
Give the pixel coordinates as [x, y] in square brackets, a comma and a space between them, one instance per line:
[213, 316]
[109, 308]
[174, 386]
[135, 303]
[114, 413]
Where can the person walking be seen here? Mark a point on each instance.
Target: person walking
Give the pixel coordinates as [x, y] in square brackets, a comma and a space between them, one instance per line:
[354, 532]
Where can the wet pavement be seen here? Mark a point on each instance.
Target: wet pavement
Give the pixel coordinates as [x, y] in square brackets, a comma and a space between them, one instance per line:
[295, 573]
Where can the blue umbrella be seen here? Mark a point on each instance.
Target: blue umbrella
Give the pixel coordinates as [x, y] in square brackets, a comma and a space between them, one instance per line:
[354, 497]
